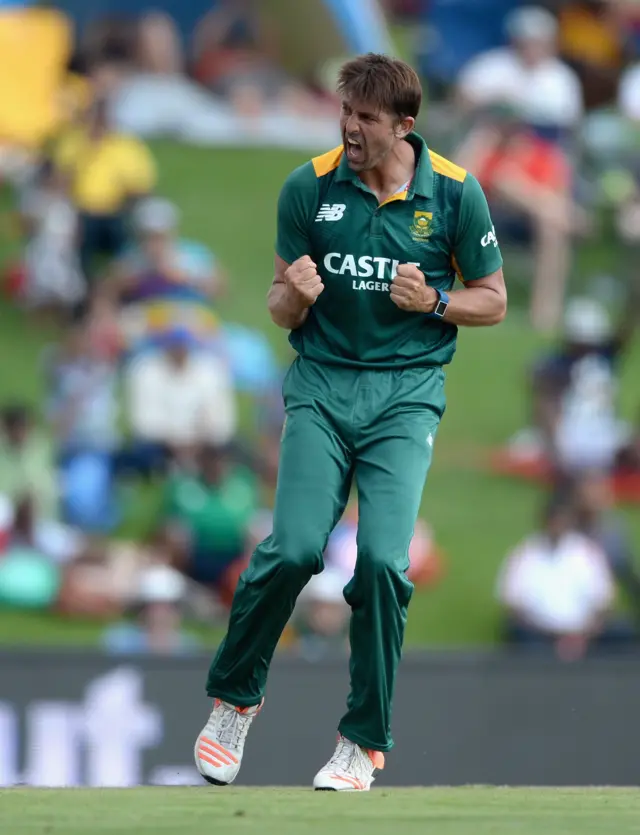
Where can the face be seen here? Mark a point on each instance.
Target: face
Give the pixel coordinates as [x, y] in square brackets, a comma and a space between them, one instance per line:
[178, 354]
[155, 245]
[369, 134]
[594, 493]
[559, 523]
[78, 343]
[16, 431]
[534, 50]
[214, 467]
[161, 616]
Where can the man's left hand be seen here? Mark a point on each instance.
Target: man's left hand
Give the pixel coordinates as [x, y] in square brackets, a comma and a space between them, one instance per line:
[410, 292]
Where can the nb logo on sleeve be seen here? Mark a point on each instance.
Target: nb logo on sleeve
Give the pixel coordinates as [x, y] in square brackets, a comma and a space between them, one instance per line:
[330, 211]
[490, 238]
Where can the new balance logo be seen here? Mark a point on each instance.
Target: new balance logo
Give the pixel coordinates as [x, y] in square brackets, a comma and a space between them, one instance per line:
[330, 211]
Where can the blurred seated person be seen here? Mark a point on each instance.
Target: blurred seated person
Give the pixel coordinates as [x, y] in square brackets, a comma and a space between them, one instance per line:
[27, 461]
[157, 628]
[107, 172]
[158, 45]
[597, 518]
[83, 411]
[177, 397]
[528, 183]
[237, 57]
[557, 589]
[527, 74]
[207, 514]
[594, 42]
[22, 526]
[29, 579]
[321, 618]
[575, 393]
[53, 277]
[160, 257]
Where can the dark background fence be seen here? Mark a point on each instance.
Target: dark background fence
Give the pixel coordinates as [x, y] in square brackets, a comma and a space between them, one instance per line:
[83, 719]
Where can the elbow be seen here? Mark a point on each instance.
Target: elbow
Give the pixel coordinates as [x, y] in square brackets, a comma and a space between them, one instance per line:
[500, 311]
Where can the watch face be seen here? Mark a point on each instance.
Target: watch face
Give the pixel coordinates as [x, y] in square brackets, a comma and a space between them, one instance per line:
[441, 308]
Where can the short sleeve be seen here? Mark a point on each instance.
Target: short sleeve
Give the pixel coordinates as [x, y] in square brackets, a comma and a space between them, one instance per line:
[297, 205]
[140, 174]
[476, 249]
[66, 151]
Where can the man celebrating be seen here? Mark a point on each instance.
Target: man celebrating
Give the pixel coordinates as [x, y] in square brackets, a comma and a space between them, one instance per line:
[370, 239]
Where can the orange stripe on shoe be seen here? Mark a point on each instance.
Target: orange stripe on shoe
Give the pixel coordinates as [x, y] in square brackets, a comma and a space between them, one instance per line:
[377, 758]
[218, 748]
[214, 761]
[211, 752]
[350, 780]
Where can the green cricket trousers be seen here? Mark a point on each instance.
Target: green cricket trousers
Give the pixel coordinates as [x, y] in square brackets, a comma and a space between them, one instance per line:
[377, 427]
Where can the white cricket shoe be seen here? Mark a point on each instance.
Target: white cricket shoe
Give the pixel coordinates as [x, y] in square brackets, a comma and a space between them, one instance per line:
[218, 750]
[351, 769]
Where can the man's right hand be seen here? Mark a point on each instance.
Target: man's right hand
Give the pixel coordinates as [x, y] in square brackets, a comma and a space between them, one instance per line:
[303, 281]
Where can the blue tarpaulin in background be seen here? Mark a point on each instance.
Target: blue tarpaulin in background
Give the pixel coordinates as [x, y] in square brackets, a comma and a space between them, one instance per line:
[362, 25]
[459, 30]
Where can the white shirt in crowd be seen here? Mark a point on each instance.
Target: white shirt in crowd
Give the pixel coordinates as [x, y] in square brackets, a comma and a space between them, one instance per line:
[192, 404]
[546, 94]
[589, 433]
[629, 93]
[557, 589]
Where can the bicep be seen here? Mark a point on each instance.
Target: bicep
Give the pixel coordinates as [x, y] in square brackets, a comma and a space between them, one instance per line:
[476, 251]
[494, 282]
[296, 205]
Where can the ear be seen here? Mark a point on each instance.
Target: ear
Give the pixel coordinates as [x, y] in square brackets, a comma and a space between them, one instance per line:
[404, 127]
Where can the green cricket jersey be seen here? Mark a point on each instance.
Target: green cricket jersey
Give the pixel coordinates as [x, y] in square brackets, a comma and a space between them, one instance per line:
[440, 222]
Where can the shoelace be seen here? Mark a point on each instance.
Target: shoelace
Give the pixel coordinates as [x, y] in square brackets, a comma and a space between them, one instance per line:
[344, 756]
[232, 726]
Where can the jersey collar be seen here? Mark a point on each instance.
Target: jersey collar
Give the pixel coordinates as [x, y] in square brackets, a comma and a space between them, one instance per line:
[422, 180]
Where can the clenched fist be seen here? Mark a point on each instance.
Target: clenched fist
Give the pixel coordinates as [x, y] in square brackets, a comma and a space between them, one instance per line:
[303, 280]
[410, 292]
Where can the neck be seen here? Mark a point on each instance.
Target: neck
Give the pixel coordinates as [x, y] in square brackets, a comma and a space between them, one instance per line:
[396, 169]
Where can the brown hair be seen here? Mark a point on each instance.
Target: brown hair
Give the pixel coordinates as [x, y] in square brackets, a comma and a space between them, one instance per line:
[392, 85]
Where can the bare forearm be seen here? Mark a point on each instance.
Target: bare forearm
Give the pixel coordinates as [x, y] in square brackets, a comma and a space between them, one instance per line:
[285, 311]
[476, 307]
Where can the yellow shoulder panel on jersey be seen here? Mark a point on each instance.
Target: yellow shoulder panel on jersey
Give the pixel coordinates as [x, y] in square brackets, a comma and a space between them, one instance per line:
[446, 168]
[327, 162]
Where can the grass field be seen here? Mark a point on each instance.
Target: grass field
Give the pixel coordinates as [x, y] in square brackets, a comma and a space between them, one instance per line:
[466, 811]
[227, 200]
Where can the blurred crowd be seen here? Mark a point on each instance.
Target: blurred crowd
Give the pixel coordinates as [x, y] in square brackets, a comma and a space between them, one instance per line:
[145, 385]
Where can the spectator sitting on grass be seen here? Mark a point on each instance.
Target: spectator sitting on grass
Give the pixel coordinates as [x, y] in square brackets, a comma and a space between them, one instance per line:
[557, 589]
[158, 609]
[83, 410]
[209, 511]
[528, 183]
[177, 398]
[107, 171]
[527, 73]
[160, 257]
[27, 462]
[237, 58]
[56, 542]
[597, 519]
[53, 278]
[575, 409]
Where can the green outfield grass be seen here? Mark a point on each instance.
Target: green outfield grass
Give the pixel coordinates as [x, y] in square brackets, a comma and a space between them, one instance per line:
[466, 811]
[228, 199]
